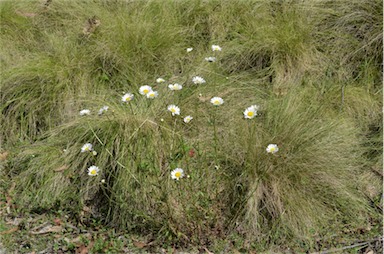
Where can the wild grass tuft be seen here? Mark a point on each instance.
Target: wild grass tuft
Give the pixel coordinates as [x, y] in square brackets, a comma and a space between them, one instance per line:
[136, 153]
[314, 170]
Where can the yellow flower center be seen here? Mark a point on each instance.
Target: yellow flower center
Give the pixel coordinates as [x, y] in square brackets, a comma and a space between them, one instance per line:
[272, 149]
[128, 98]
[178, 174]
[250, 113]
[145, 91]
[93, 172]
[173, 110]
[217, 102]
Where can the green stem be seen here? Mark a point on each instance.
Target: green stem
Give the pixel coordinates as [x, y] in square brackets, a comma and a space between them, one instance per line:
[215, 137]
[173, 136]
[130, 106]
[251, 131]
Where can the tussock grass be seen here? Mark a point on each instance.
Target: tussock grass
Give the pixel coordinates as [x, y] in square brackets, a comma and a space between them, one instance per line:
[274, 40]
[313, 170]
[136, 153]
[351, 36]
[314, 68]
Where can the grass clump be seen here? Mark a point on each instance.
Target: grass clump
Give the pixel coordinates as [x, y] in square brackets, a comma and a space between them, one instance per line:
[315, 169]
[136, 153]
[351, 37]
[274, 41]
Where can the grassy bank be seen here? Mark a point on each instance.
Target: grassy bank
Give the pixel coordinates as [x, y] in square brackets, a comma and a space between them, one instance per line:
[313, 69]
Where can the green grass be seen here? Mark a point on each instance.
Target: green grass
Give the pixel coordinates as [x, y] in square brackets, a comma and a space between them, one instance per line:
[314, 68]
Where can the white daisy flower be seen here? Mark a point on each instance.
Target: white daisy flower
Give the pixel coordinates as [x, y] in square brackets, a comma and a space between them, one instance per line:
[177, 173]
[85, 112]
[175, 110]
[175, 87]
[216, 48]
[145, 89]
[210, 59]
[127, 97]
[187, 119]
[87, 148]
[272, 148]
[93, 171]
[103, 109]
[94, 153]
[160, 80]
[152, 94]
[251, 112]
[217, 101]
[189, 49]
[198, 80]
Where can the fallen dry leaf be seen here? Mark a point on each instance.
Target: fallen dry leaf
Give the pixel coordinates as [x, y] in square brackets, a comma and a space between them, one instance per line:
[9, 231]
[60, 169]
[139, 244]
[48, 229]
[82, 249]
[3, 156]
[26, 14]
